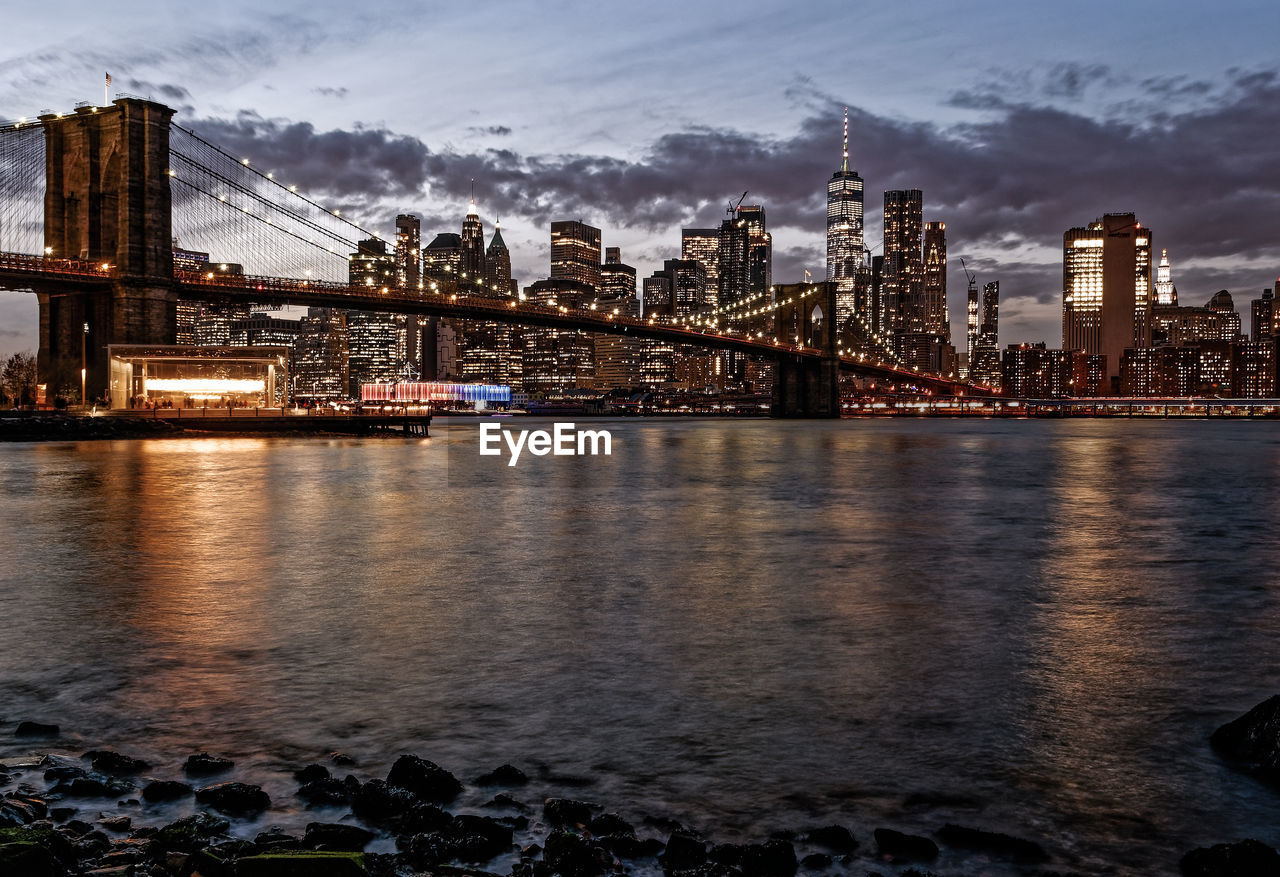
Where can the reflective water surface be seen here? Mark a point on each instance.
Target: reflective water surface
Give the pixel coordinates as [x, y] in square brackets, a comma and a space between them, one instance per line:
[1030, 627]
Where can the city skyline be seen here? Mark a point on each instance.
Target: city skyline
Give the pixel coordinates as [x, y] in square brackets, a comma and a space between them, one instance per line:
[996, 148]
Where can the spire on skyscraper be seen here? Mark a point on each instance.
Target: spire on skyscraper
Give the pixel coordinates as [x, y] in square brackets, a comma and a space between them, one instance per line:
[845, 166]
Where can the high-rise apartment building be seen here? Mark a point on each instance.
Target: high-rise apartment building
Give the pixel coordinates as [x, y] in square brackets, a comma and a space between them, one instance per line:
[1266, 318]
[575, 252]
[971, 320]
[734, 255]
[934, 262]
[1106, 288]
[409, 276]
[844, 231]
[759, 248]
[902, 285]
[703, 244]
[984, 364]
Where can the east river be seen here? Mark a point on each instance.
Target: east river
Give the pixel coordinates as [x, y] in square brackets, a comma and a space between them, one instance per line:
[1025, 626]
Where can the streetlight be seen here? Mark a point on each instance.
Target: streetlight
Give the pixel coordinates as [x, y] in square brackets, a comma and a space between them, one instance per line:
[84, 340]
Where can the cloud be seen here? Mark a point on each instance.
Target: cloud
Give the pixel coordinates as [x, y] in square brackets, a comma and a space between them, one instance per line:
[491, 130]
[326, 91]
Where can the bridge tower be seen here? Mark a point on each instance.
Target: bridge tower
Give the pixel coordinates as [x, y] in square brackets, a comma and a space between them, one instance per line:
[107, 200]
[802, 387]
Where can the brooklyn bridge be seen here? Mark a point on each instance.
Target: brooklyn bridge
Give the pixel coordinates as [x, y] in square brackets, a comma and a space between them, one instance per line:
[91, 202]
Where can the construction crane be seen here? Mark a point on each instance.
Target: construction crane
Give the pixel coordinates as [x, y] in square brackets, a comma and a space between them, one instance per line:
[733, 208]
[973, 278]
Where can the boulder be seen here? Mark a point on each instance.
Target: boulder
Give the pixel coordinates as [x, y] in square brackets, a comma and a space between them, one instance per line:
[202, 764]
[502, 799]
[329, 791]
[311, 773]
[1254, 739]
[684, 850]
[189, 834]
[773, 858]
[478, 838]
[165, 790]
[425, 779]
[234, 799]
[836, 838]
[93, 785]
[275, 837]
[611, 824]
[816, 862]
[114, 763]
[29, 859]
[303, 864]
[562, 812]
[1248, 858]
[572, 855]
[336, 836]
[378, 802]
[504, 775]
[36, 729]
[993, 842]
[905, 847]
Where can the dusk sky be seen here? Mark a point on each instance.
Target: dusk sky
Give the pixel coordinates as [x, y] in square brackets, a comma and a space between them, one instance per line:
[1016, 121]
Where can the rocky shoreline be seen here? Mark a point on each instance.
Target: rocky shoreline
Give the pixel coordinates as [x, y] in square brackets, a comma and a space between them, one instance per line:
[53, 824]
[74, 428]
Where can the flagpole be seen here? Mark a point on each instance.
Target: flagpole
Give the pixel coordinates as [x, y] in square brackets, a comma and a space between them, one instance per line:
[106, 97]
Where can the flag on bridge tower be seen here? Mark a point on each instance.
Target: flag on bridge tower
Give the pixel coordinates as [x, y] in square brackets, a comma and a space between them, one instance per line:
[106, 98]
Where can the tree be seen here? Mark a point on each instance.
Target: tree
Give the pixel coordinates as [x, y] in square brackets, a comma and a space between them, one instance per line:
[19, 378]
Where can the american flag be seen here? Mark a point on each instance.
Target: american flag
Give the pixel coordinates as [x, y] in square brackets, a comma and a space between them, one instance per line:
[108, 80]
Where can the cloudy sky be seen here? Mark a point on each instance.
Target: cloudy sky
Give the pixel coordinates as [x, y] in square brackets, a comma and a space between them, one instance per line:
[1017, 121]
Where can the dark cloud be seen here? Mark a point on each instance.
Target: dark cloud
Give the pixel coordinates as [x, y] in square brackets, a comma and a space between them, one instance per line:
[326, 91]
[1070, 79]
[164, 92]
[1205, 179]
[491, 130]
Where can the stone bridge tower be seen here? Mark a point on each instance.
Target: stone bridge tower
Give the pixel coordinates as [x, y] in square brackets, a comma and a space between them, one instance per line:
[804, 387]
[107, 200]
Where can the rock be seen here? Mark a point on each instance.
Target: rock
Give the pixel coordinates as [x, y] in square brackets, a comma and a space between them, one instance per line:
[816, 862]
[561, 812]
[94, 785]
[311, 773]
[611, 823]
[478, 838]
[773, 858]
[28, 859]
[329, 791]
[834, 837]
[202, 764]
[36, 729]
[21, 810]
[112, 871]
[726, 854]
[234, 799]
[165, 790]
[992, 842]
[504, 775]
[62, 814]
[274, 837]
[378, 802]
[78, 827]
[906, 847]
[303, 864]
[116, 823]
[422, 817]
[336, 836]
[629, 847]
[572, 855]
[425, 779]
[1248, 858]
[64, 772]
[114, 763]
[1254, 738]
[341, 760]
[504, 800]
[684, 850]
[189, 834]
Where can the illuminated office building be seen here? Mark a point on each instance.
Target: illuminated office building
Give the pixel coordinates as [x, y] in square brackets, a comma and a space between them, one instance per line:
[321, 356]
[1166, 292]
[617, 356]
[409, 276]
[375, 340]
[703, 244]
[497, 260]
[557, 360]
[902, 283]
[489, 351]
[844, 231]
[617, 286]
[734, 256]
[759, 248]
[471, 262]
[575, 252]
[1106, 288]
[984, 363]
[1266, 319]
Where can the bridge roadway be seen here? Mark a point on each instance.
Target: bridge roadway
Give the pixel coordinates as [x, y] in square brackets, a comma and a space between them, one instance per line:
[24, 272]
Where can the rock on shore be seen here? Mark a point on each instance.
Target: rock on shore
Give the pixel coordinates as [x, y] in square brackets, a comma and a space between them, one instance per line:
[1254, 739]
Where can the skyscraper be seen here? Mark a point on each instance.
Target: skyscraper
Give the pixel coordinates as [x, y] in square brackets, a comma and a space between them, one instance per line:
[489, 351]
[575, 252]
[703, 244]
[759, 248]
[409, 276]
[984, 363]
[617, 286]
[471, 257]
[844, 230]
[971, 319]
[1106, 288]
[1265, 324]
[902, 286]
[375, 340]
[497, 262]
[320, 361]
[734, 256]
[935, 280]
[617, 356]
[1166, 292]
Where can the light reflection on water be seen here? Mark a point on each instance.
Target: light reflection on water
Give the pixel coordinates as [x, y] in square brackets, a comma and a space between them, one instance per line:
[745, 625]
